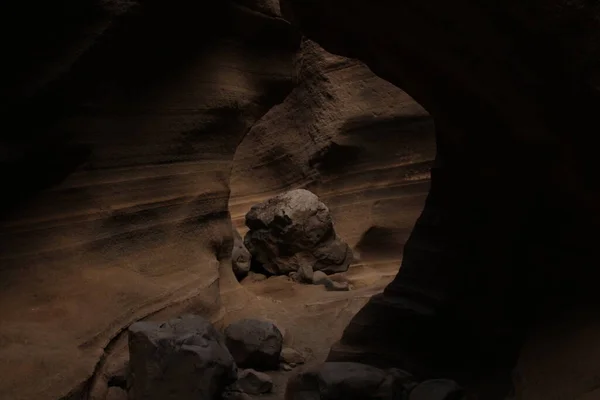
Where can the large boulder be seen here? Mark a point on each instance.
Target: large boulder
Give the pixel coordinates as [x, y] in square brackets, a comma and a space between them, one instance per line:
[348, 381]
[293, 230]
[254, 344]
[183, 359]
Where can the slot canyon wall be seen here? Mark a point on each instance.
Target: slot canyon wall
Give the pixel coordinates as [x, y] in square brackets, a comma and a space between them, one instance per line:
[134, 122]
[499, 256]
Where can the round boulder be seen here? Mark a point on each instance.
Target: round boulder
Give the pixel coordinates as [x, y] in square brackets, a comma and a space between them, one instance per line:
[254, 344]
[293, 231]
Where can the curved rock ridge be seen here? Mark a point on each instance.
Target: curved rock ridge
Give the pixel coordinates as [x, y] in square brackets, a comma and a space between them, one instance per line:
[123, 215]
[513, 88]
[362, 145]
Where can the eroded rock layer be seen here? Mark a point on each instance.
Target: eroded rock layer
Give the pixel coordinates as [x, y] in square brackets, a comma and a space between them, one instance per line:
[119, 202]
[362, 145]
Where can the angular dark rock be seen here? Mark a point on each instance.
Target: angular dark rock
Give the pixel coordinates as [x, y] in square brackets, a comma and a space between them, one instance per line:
[184, 359]
[437, 389]
[348, 381]
[293, 230]
[254, 344]
[252, 382]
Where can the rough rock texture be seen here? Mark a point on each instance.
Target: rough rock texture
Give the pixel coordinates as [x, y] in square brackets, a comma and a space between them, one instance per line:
[252, 382]
[513, 88]
[320, 278]
[437, 389]
[361, 144]
[293, 231]
[115, 173]
[240, 256]
[292, 356]
[254, 344]
[184, 359]
[351, 381]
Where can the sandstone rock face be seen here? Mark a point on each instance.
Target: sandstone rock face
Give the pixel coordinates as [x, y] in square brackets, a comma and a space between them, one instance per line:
[240, 256]
[115, 194]
[184, 359]
[362, 145]
[254, 344]
[295, 230]
[352, 381]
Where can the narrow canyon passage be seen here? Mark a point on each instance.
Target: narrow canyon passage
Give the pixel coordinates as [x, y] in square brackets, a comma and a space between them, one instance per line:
[450, 144]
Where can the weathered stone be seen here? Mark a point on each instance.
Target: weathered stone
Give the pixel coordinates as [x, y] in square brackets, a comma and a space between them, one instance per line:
[252, 382]
[293, 230]
[348, 381]
[292, 356]
[335, 286]
[240, 256]
[256, 277]
[437, 389]
[320, 278]
[286, 367]
[185, 358]
[304, 274]
[254, 344]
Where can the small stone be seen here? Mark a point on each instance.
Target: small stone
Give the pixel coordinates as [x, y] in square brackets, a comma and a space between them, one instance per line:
[291, 356]
[303, 275]
[334, 286]
[320, 278]
[286, 367]
[254, 344]
[437, 389]
[252, 382]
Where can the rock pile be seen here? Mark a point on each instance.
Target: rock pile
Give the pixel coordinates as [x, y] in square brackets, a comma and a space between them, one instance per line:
[187, 358]
[293, 234]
